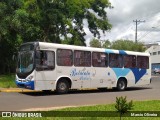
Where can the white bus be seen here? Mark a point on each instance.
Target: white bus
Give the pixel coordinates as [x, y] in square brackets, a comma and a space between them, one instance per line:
[49, 66]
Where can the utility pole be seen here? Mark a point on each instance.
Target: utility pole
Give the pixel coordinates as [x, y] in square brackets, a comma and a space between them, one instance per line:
[137, 21]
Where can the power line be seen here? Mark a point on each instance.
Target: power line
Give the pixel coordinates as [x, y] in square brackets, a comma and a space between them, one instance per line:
[144, 35]
[137, 21]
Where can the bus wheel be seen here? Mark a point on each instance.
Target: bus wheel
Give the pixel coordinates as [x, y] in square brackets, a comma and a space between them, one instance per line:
[121, 84]
[62, 87]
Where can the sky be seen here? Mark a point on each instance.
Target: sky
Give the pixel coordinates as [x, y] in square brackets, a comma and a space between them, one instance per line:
[122, 15]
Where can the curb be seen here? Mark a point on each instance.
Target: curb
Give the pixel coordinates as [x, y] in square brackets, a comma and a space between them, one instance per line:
[16, 90]
[22, 90]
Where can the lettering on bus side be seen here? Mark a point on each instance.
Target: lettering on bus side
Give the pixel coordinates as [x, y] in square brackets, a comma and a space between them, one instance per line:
[82, 74]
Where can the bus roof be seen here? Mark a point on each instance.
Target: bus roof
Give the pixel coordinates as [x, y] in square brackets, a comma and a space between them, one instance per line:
[49, 46]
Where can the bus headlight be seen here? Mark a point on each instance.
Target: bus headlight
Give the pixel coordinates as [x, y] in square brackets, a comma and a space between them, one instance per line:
[29, 78]
[16, 77]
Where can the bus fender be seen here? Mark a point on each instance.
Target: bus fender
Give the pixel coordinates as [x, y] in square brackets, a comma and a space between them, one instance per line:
[63, 77]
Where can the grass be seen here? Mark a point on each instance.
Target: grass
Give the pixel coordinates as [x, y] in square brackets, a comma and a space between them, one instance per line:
[7, 81]
[153, 105]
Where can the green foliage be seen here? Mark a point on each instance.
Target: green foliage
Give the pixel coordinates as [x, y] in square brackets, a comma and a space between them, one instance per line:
[70, 41]
[7, 81]
[9, 39]
[107, 44]
[56, 18]
[147, 106]
[119, 45]
[127, 45]
[122, 106]
[95, 43]
[47, 20]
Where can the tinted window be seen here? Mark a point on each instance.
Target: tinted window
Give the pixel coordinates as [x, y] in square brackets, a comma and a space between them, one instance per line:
[82, 58]
[64, 57]
[143, 62]
[129, 61]
[99, 59]
[115, 60]
[45, 60]
[27, 47]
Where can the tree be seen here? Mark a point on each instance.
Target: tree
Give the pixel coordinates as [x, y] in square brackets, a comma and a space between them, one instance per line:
[48, 20]
[71, 41]
[95, 43]
[107, 44]
[53, 19]
[9, 39]
[128, 45]
[122, 106]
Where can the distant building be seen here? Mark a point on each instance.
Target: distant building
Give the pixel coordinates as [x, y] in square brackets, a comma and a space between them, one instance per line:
[150, 44]
[154, 51]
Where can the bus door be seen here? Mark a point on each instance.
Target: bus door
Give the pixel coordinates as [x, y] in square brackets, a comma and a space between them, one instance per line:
[45, 70]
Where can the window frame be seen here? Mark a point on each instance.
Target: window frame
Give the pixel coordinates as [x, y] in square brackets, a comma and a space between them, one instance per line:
[132, 62]
[109, 63]
[42, 67]
[57, 57]
[106, 55]
[75, 58]
[154, 53]
[142, 62]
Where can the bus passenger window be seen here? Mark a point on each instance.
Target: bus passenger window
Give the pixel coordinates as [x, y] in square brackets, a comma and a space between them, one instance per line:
[64, 57]
[99, 59]
[82, 58]
[143, 62]
[115, 60]
[129, 61]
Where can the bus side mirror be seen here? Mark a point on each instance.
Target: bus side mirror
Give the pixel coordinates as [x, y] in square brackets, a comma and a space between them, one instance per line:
[14, 57]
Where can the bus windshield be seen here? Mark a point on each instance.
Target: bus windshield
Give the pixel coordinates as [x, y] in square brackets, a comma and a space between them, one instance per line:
[25, 62]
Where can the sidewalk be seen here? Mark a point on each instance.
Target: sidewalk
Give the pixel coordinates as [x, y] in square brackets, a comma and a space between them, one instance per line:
[15, 90]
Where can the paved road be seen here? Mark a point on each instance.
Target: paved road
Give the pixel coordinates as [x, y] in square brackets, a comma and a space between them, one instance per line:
[27, 101]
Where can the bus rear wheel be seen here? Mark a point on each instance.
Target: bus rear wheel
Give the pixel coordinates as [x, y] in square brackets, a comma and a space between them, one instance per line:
[121, 84]
[62, 87]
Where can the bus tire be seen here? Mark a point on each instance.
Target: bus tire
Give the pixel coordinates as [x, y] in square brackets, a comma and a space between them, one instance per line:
[121, 84]
[62, 86]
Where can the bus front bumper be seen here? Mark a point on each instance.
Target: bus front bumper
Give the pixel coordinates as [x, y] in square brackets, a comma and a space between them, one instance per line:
[28, 85]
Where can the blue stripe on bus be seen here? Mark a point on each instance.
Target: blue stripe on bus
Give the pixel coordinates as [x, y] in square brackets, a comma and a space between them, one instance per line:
[122, 52]
[138, 73]
[122, 72]
[109, 51]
